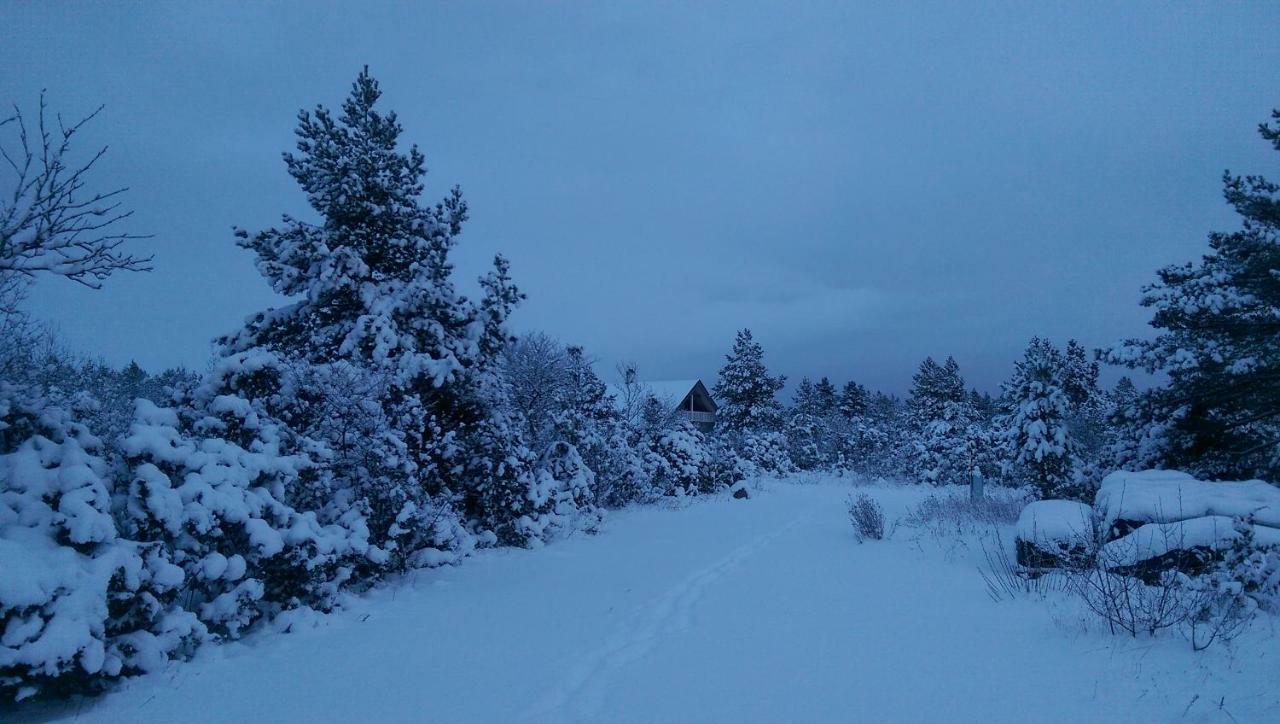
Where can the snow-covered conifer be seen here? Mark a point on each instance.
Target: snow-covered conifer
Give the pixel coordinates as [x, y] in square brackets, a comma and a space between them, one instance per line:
[940, 416]
[854, 400]
[745, 391]
[1219, 343]
[1036, 426]
[373, 284]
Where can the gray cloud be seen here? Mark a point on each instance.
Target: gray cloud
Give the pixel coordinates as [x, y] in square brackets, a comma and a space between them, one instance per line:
[860, 185]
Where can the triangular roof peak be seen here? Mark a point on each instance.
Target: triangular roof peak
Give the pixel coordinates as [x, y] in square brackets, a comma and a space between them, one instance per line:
[674, 392]
[677, 391]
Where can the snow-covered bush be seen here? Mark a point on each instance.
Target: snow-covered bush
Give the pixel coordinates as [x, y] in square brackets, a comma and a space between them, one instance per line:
[678, 462]
[1210, 607]
[723, 469]
[1244, 581]
[1252, 567]
[563, 496]
[761, 453]
[804, 435]
[217, 507]
[78, 605]
[1129, 605]
[557, 397]
[867, 517]
[355, 470]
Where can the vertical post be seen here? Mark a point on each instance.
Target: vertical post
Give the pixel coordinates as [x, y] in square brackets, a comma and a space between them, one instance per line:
[975, 485]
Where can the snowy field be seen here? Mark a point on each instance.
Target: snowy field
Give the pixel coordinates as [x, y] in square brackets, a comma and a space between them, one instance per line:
[724, 610]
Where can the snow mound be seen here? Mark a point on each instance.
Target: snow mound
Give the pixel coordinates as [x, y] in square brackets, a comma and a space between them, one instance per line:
[1168, 496]
[1213, 532]
[1054, 521]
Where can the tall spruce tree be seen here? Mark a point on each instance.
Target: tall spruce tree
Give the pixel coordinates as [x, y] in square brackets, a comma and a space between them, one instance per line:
[1220, 341]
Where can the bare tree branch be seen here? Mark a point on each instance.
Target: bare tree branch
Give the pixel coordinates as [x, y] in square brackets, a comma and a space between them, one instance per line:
[49, 223]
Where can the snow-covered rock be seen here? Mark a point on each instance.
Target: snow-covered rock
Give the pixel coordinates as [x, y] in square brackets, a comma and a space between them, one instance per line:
[1053, 533]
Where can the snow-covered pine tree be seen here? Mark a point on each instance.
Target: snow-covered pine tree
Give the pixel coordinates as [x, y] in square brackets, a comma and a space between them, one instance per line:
[890, 439]
[524, 498]
[1220, 341]
[815, 426]
[1135, 440]
[805, 401]
[1088, 419]
[1036, 427]
[749, 414]
[802, 427]
[374, 289]
[373, 280]
[587, 417]
[746, 392]
[933, 388]
[854, 400]
[939, 416]
[825, 398]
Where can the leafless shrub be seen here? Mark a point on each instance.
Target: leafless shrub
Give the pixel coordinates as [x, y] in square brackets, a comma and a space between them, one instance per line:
[1220, 613]
[1207, 608]
[867, 517]
[958, 515]
[1127, 605]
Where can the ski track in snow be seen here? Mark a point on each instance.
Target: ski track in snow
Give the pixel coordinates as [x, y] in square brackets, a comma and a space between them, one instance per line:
[582, 693]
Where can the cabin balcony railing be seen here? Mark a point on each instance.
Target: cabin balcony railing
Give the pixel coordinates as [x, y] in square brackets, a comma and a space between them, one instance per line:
[699, 416]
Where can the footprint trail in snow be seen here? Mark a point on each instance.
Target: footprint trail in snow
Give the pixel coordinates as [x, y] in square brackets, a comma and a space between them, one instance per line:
[582, 692]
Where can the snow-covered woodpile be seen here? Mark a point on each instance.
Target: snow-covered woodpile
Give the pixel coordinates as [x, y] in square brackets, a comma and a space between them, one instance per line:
[1150, 521]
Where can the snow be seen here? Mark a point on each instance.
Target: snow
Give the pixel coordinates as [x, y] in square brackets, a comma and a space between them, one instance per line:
[1167, 496]
[1053, 521]
[724, 610]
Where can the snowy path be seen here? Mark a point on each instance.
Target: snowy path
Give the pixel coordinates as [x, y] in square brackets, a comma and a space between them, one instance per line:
[759, 610]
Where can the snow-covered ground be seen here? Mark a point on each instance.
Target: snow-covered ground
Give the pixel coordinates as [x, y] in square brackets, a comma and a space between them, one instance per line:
[726, 610]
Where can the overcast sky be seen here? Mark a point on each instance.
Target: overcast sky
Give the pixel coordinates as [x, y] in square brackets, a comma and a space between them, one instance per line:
[861, 185]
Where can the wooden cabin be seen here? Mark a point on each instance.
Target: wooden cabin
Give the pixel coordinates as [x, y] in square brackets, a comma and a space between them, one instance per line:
[690, 399]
